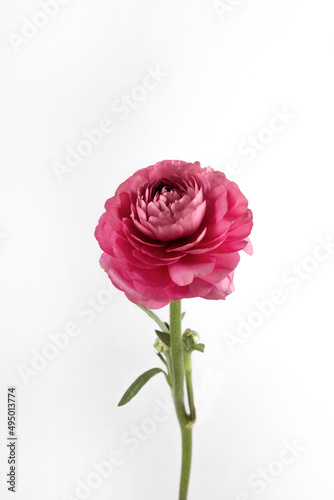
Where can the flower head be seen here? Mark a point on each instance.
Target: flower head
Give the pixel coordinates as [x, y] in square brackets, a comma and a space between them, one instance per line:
[174, 230]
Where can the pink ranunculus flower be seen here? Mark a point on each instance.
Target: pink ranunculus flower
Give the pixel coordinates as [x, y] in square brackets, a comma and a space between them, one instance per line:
[174, 230]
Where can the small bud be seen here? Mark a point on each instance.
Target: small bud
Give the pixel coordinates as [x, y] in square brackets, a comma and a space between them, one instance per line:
[191, 335]
[160, 346]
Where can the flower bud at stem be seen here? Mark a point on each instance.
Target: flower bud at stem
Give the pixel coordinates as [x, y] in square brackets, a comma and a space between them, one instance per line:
[190, 335]
[160, 346]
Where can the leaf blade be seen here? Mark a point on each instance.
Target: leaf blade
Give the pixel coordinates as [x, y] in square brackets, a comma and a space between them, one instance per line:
[162, 358]
[158, 321]
[138, 384]
[164, 337]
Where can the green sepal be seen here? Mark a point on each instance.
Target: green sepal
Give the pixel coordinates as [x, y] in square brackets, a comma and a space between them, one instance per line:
[139, 383]
[164, 337]
[198, 347]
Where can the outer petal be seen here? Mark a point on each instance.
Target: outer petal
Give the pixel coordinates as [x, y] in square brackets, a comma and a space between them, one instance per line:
[188, 268]
[123, 282]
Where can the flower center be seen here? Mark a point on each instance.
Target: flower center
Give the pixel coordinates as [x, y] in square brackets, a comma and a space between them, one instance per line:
[163, 186]
[169, 209]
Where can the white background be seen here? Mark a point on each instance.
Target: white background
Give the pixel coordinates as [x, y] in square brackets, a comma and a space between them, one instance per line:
[225, 74]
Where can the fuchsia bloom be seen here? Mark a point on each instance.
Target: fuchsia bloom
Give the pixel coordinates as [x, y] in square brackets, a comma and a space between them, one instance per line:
[173, 230]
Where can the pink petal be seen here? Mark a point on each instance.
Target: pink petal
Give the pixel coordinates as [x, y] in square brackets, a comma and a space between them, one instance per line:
[154, 261]
[187, 244]
[188, 268]
[249, 247]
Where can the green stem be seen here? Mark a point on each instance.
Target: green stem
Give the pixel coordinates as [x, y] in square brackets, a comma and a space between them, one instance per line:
[178, 371]
[189, 383]
[186, 433]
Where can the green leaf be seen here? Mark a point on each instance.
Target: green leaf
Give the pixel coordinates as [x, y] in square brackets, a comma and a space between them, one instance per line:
[162, 358]
[198, 347]
[139, 383]
[183, 315]
[151, 314]
[164, 337]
